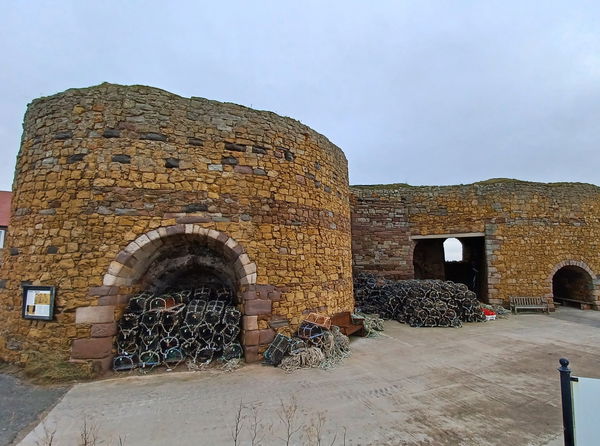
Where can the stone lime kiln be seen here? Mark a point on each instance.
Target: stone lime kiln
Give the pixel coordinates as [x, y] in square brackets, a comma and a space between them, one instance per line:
[120, 189]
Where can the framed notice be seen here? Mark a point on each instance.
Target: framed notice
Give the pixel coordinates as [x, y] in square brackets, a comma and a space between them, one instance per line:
[38, 302]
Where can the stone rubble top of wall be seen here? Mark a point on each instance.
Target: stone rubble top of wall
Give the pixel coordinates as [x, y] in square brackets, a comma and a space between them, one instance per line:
[493, 185]
[113, 92]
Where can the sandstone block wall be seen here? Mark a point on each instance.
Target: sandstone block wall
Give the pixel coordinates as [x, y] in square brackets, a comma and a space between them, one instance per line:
[531, 229]
[108, 175]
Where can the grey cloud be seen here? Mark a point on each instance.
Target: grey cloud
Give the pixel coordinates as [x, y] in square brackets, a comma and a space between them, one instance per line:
[418, 92]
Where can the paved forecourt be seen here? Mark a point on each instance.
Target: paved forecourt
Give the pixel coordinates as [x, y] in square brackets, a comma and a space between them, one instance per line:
[485, 384]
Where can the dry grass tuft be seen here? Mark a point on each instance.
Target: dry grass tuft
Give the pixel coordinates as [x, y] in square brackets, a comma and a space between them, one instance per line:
[51, 368]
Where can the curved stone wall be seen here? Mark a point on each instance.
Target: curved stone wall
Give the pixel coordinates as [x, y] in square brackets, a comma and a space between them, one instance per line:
[103, 170]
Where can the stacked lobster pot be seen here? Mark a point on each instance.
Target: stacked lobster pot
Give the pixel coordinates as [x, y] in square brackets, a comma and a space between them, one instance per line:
[419, 303]
[198, 325]
[312, 332]
[315, 344]
[308, 335]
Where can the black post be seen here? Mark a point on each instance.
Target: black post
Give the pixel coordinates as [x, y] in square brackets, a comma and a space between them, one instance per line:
[567, 402]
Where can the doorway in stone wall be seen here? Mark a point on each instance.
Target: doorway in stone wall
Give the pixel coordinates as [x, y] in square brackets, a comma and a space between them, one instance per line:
[469, 266]
[572, 286]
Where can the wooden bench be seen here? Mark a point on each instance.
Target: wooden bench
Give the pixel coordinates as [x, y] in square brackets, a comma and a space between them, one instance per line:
[528, 303]
[347, 325]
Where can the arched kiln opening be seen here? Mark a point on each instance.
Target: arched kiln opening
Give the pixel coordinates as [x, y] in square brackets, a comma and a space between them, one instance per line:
[183, 265]
[572, 285]
[188, 307]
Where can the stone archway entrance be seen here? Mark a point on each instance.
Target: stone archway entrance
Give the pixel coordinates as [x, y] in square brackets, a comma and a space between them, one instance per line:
[171, 258]
[573, 286]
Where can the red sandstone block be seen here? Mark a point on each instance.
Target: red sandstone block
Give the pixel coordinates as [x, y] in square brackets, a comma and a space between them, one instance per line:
[174, 230]
[95, 315]
[250, 323]
[260, 292]
[104, 330]
[123, 299]
[242, 169]
[192, 219]
[251, 337]
[107, 300]
[250, 295]
[126, 258]
[102, 291]
[251, 354]
[95, 348]
[275, 295]
[266, 336]
[257, 306]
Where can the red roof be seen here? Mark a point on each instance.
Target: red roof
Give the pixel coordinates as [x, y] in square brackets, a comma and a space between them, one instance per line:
[5, 207]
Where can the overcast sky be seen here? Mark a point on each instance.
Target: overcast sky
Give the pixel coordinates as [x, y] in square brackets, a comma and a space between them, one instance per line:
[422, 92]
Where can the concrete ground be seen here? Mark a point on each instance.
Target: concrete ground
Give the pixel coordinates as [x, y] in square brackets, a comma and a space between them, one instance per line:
[492, 383]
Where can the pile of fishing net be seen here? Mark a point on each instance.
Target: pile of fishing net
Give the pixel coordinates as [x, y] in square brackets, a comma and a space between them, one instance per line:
[419, 303]
[373, 324]
[312, 346]
[500, 311]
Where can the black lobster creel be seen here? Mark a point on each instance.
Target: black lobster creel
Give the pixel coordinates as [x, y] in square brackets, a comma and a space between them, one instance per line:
[430, 303]
[172, 327]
